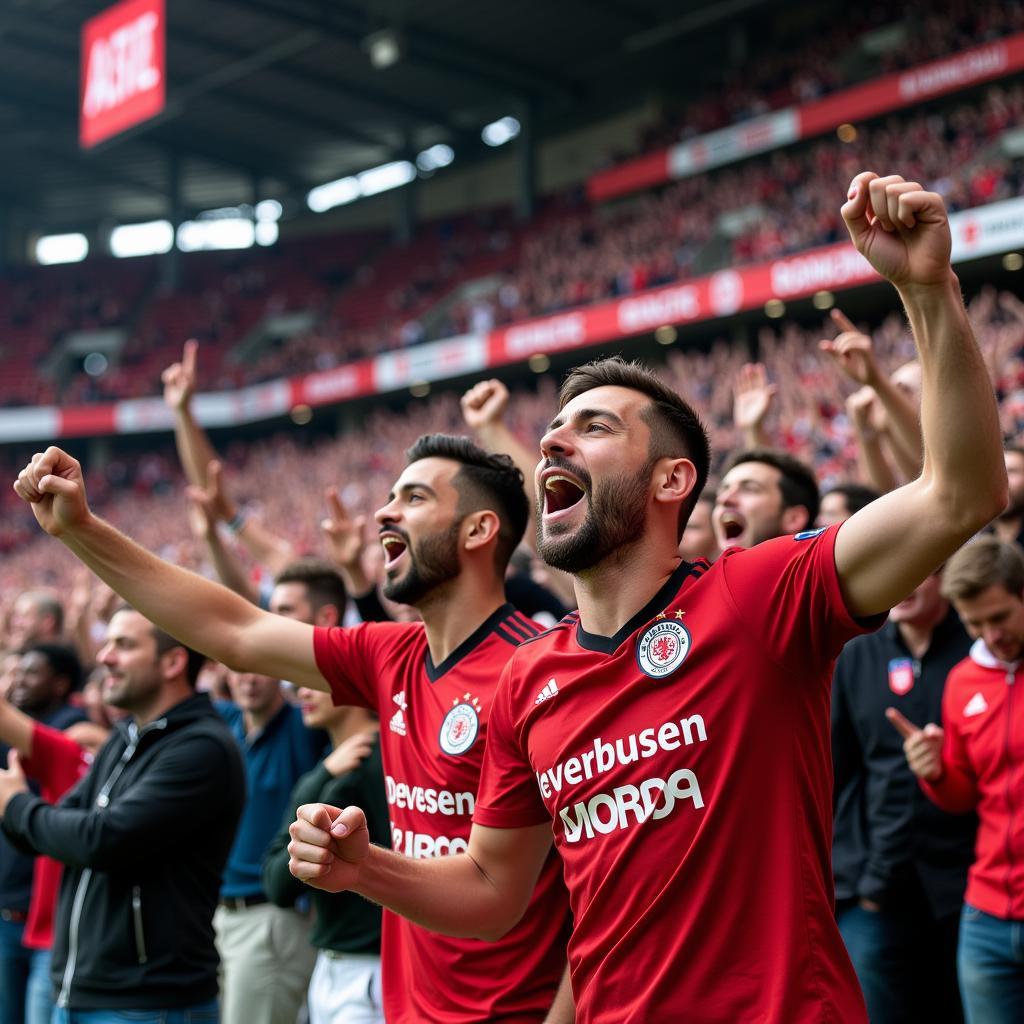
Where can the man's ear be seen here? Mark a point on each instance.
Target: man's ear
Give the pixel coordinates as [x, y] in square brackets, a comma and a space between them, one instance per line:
[327, 615]
[174, 663]
[795, 518]
[479, 529]
[674, 480]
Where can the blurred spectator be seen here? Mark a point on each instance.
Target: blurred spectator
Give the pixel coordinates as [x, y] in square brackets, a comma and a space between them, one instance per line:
[54, 760]
[840, 502]
[968, 765]
[265, 954]
[144, 838]
[900, 863]
[763, 494]
[45, 676]
[346, 930]
[37, 617]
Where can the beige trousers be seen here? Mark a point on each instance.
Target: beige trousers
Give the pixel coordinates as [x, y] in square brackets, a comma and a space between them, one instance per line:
[266, 961]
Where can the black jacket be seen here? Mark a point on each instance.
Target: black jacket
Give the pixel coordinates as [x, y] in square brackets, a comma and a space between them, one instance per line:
[887, 832]
[144, 837]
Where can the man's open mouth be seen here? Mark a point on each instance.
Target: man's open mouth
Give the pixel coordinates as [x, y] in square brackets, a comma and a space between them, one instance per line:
[561, 493]
[394, 547]
[733, 525]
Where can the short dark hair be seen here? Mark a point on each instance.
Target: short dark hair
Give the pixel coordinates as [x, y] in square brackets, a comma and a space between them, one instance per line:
[322, 581]
[484, 480]
[63, 661]
[856, 496]
[981, 563]
[165, 642]
[798, 484]
[49, 604]
[676, 429]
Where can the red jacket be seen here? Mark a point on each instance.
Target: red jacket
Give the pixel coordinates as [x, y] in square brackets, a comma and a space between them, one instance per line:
[983, 770]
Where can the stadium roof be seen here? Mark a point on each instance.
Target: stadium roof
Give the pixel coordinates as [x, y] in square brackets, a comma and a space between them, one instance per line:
[281, 95]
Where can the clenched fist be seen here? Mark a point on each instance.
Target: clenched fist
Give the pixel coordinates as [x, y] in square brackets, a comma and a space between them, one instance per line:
[899, 228]
[52, 484]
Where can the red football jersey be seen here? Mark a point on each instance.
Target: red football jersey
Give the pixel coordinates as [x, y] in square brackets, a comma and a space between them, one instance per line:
[685, 766]
[57, 762]
[433, 727]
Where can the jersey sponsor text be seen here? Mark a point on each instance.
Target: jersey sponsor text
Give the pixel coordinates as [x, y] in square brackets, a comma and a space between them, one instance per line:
[428, 800]
[602, 757]
[629, 805]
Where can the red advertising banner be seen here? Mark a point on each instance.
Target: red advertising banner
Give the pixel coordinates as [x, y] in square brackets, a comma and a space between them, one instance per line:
[891, 92]
[123, 74]
[996, 228]
[915, 85]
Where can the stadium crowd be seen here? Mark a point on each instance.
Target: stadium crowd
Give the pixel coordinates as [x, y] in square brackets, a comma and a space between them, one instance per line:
[172, 841]
[572, 255]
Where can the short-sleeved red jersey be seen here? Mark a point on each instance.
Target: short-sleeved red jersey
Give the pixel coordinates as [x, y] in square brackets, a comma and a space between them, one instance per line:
[57, 762]
[433, 728]
[685, 766]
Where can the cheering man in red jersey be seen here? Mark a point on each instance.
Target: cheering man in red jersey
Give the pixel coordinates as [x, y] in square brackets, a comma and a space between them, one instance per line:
[674, 736]
[448, 530]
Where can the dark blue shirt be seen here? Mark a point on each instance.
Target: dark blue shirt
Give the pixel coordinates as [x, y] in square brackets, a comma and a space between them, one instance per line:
[275, 759]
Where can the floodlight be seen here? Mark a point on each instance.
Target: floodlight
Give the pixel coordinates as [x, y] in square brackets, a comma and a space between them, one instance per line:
[497, 133]
[71, 248]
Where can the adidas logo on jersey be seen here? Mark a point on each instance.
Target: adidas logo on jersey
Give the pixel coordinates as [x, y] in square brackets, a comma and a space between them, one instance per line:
[397, 723]
[977, 705]
[550, 690]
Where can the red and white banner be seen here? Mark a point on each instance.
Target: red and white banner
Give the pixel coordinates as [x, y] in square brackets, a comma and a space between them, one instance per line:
[981, 232]
[123, 74]
[784, 127]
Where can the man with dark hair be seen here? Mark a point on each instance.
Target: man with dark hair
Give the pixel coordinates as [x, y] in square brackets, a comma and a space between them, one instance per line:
[44, 676]
[47, 675]
[447, 529]
[971, 763]
[900, 863]
[144, 838]
[673, 737]
[37, 617]
[764, 493]
[310, 590]
[841, 501]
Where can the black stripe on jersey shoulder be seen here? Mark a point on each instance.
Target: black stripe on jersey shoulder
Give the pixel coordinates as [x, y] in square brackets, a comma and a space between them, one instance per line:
[507, 635]
[492, 624]
[525, 624]
[516, 628]
[660, 601]
[567, 623]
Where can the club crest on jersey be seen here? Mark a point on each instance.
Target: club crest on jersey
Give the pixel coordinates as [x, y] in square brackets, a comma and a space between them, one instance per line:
[902, 674]
[662, 647]
[461, 725]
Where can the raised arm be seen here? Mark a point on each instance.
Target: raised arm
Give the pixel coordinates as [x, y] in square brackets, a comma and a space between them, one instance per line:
[885, 550]
[753, 397]
[483, 409]
[202, 614]
[862, 408]
[478, 894]
[204, 472]
[853, 353]
[226, 564]
[194, 448]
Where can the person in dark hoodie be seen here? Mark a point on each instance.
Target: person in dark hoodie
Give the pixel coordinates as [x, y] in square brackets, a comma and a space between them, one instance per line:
[144, 838]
